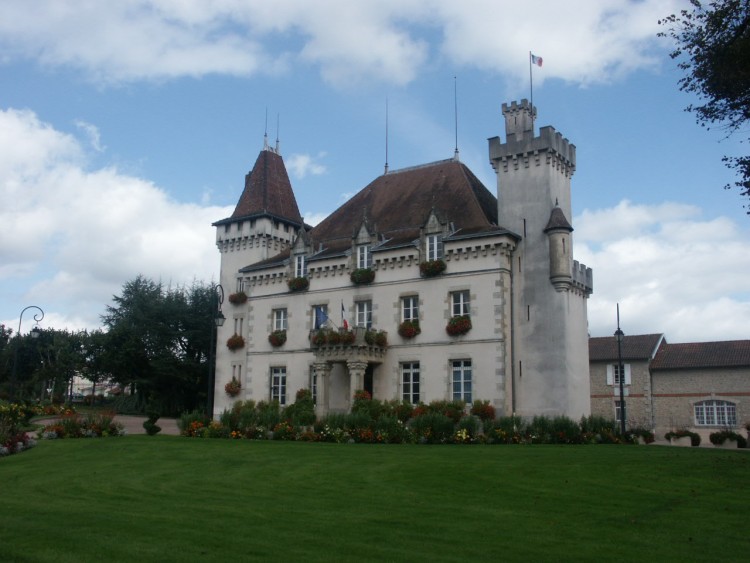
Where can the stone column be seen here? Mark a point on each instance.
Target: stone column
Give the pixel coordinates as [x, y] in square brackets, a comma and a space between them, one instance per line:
[356, 377]
[322, 371]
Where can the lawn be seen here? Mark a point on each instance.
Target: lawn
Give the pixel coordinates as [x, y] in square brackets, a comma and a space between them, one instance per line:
[163, 498]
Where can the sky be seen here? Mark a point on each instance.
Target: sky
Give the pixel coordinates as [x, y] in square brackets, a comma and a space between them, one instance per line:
[127, 128]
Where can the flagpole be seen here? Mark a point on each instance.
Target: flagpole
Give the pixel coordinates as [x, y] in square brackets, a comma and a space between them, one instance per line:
[531, 89]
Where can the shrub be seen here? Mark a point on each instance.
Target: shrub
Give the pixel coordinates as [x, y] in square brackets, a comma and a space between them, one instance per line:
[505, 430]
[432, 428]
[150, 424]
[409, 329]
[298, 284]
[190, 422]
[376, 338]
[269, 414]
[452, 409]
[302, 411]
[718, 438]
[362, 276]
[284, 431]
[643, 433]
[319, 337]
[483, 409]
[431, 268]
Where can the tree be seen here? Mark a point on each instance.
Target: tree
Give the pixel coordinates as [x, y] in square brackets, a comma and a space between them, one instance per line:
[713, 46]
[157, 343]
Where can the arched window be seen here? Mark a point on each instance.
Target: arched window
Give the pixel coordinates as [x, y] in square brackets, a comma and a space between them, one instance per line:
[715, 413]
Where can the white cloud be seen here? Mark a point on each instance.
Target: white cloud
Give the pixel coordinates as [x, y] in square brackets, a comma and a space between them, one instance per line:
[671, 271]
[314, 218]
[92, 132]
[351, 42]
[74, 236]
[300, 165]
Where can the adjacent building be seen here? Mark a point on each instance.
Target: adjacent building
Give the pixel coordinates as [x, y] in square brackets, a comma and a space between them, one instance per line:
[700, 386]
[424, 286]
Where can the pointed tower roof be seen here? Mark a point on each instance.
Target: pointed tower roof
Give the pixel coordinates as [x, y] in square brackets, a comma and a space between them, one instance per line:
[268, 191]
[557, 220]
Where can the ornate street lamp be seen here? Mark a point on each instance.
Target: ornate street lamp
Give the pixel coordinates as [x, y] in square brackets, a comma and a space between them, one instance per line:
[34, 333]
[218, 318]
[619, 336]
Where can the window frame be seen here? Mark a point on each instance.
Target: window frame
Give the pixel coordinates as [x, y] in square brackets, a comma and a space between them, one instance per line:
[410, 378]
[300, 266]
[278, 384]
[465, 390]
[363, 308]
[410, 304]
[314, 309]
[280, 318]
[613, 374]
[715, 412]
[460, 303]
[434, 246]
[364, 256]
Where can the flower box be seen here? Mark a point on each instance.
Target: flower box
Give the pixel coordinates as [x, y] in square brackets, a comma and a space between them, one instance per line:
[233, 388]
[237, 298]
[683, 438]
[298, 284]
[431, 268]
[362, 276]
[727, 439]
[458, 325]
[235, 342]
[409, 329]
[277, 338]
[376, 338]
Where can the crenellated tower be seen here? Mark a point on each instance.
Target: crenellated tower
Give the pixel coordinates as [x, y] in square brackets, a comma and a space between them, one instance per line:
[549, 348]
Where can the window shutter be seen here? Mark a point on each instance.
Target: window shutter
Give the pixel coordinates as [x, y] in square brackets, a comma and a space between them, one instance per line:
[627, 374]
[610, 374]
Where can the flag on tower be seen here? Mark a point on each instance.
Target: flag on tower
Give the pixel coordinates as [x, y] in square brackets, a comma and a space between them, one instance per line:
[536, 60]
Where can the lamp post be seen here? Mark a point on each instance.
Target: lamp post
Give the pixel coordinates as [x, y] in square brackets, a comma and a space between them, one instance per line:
[218, 320]
[34, 334]
[619, 336]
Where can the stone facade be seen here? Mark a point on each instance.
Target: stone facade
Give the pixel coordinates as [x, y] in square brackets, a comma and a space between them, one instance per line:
[526, 351]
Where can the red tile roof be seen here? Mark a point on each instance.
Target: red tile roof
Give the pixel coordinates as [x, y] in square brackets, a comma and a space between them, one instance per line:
[268, 191]
[724, 354]
[635, 347]
[400, 202]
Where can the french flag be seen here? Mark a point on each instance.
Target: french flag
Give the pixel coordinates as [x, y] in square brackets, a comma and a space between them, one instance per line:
[536, 60]
[343, 317]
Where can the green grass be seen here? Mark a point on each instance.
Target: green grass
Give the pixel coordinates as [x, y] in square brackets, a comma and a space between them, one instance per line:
[166, 498]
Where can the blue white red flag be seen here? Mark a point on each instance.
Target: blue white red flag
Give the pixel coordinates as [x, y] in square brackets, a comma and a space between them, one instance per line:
[536, 60]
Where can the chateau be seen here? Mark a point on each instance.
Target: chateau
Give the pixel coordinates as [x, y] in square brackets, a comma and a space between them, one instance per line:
[423, 286]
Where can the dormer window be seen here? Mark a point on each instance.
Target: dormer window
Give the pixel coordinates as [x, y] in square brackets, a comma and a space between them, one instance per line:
[364, 256]
[434, 244]
[300, 266]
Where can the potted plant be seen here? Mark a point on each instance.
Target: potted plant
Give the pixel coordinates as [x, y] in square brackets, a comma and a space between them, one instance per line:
[235, 342]
[727, 439]
[237, 298]
[376, 338]
[319, 338]
[409, 329]
[362, 276]
[347, 337]
[683, 438]
[298, 284]
[432, 268]
[458, 325]
[277, 338]
[233, 387]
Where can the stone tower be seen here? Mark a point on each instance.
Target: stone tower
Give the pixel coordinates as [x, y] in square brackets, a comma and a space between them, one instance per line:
[549, 345]
[265, 223]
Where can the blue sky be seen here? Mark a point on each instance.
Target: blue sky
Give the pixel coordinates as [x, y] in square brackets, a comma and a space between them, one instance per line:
[127, 128]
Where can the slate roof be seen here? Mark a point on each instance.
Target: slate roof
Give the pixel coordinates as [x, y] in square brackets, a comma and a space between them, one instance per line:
[635, 347]
[268, 192]
[723, 354]
[397, 204]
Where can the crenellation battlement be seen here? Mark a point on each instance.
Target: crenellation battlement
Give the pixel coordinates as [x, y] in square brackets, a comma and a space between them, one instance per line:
[583, 277]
